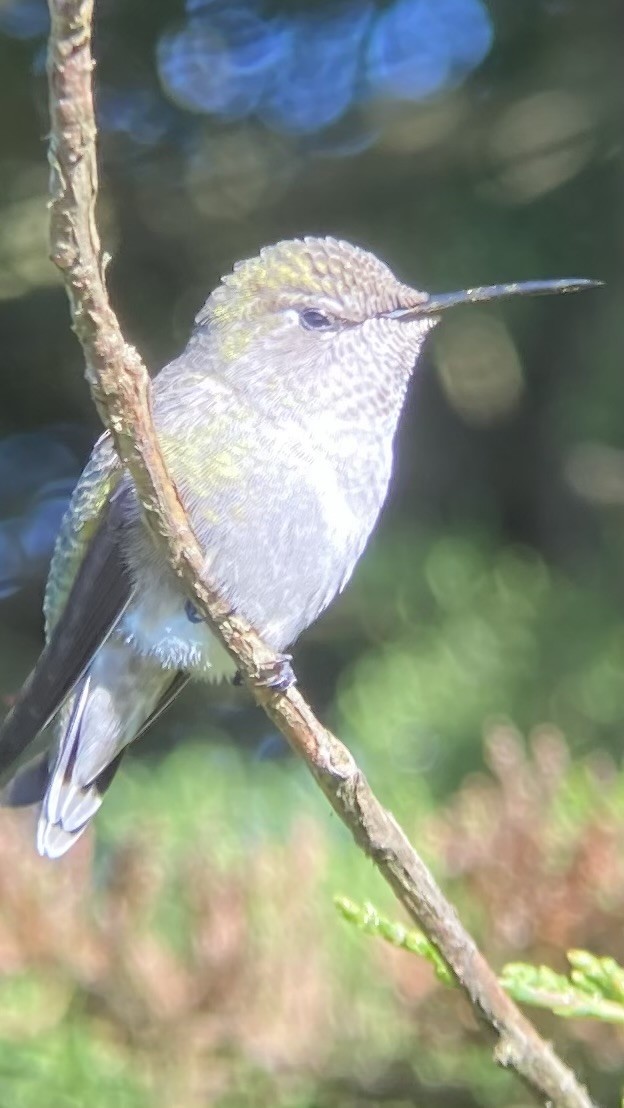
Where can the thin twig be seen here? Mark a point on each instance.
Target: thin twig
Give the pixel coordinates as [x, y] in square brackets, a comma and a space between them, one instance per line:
[120, 387]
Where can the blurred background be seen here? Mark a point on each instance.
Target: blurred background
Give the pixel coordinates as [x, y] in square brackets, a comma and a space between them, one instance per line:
[189, 952]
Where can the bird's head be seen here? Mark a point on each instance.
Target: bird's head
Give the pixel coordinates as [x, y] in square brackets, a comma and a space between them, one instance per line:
[309, 290]
[318, 319]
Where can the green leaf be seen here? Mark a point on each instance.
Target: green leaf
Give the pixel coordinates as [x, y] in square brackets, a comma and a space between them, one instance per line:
[368, 919]
[594, 989]
[584, 995]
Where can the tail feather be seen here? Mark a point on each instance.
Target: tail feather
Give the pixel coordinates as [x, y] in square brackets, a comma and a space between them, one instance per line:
[67, 807]
[113, 702]
[109, 707]
[60, 777]
[80, 805]
[53, 841]
[30, 787]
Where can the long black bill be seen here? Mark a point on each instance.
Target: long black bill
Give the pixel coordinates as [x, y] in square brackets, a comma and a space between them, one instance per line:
[439, 302]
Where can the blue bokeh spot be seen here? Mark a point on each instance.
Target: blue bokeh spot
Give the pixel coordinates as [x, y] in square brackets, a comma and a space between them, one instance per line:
[316, 81]
[221, 59]
[418, 47]
[38, 471]
[302, 71]
[24, 19]
[298, 69]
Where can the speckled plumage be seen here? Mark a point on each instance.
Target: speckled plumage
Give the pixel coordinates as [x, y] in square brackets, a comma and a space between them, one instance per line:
[277, 424]
[279, 438]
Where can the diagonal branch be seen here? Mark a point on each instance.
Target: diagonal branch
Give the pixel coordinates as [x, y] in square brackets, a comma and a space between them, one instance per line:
[120, 388]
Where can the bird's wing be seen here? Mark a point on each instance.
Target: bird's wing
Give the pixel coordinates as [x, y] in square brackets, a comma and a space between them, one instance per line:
[82, 606]
[180, 681]
[98, 481]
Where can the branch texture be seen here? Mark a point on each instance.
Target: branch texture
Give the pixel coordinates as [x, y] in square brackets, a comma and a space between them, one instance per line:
[120, 388]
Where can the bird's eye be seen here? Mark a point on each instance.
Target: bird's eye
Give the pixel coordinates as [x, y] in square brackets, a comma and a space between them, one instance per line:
[314, 320]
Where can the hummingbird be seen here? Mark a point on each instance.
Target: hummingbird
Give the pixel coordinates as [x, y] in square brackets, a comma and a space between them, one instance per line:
[276, 424]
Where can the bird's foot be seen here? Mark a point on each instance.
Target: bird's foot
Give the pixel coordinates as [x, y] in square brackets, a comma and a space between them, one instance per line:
[278, 675]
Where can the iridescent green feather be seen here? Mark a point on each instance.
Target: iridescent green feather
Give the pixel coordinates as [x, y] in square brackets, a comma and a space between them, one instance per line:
[80, 522]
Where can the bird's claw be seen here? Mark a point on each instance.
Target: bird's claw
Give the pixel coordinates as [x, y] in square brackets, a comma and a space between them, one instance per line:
[277, 675]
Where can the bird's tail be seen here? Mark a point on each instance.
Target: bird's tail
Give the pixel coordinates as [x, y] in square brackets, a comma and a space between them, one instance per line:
[110, 706]
[68, 804]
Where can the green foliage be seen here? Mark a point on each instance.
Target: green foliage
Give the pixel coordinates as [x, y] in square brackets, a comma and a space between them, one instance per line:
[368, 919]
[593, 990]
[201, 936]
[67, 1068]
[480, 632]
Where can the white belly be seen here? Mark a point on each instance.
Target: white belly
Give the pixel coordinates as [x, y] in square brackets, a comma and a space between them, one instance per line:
[156, 625]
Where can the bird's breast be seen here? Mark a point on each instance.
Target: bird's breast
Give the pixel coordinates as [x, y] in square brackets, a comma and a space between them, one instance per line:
[282, 526]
